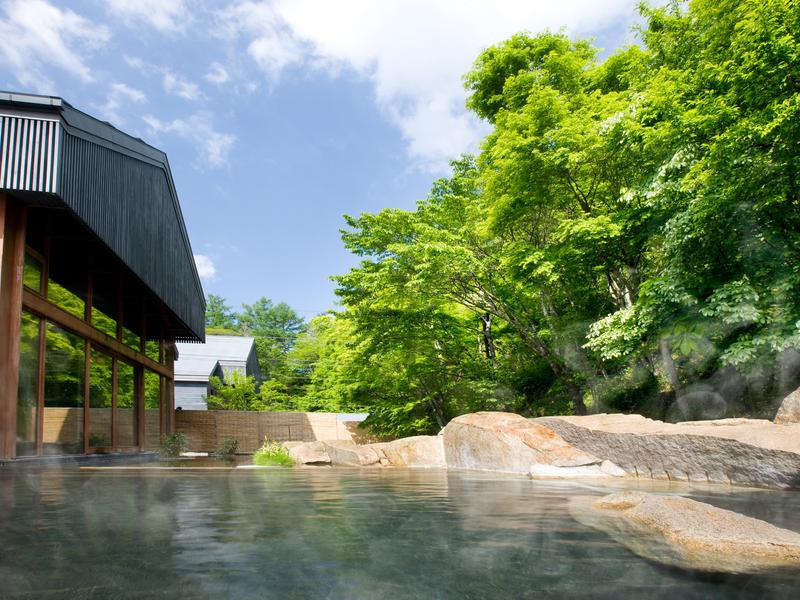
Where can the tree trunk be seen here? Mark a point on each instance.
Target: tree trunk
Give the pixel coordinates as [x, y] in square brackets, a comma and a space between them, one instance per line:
[669, 367]
[486, 333]
[437, 407]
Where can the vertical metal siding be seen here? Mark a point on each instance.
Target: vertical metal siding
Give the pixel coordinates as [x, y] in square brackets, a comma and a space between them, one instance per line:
[191, 396]
[28, 154]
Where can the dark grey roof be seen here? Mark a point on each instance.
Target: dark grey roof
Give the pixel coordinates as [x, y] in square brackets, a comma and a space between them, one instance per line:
[117, 185]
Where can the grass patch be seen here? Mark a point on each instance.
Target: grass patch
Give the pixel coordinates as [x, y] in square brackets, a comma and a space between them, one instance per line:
[272, 454]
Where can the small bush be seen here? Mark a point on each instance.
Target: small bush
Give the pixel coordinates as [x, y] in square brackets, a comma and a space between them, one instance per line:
[272, 454]
[227, 448]
[173, 444]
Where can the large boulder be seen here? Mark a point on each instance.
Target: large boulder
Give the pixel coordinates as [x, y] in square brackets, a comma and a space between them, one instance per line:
[426, 451]
[693, 535]
[789, 411]
[310, 453]
[509, 443]
[744, 452]
[349, 454]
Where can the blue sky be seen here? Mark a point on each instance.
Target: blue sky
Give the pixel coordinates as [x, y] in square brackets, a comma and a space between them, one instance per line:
[280, 116]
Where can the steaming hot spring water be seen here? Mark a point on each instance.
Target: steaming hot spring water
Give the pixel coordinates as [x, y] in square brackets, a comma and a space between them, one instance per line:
[338, 533]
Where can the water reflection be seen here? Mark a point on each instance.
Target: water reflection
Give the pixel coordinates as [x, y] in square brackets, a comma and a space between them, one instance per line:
[332, 533]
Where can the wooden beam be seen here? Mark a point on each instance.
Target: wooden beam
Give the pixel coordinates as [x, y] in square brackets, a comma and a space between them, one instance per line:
[38, 305]
[12, 260]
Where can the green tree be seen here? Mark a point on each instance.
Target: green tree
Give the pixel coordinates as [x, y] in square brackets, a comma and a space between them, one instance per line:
[275, 328]
[218, 314]
[724, 283]
[238, 392]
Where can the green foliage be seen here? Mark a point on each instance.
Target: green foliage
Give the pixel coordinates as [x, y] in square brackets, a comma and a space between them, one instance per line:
[173, 444]
[228, 448]
[218, 314]
[630, 227]
[273, 454]
[239, 392]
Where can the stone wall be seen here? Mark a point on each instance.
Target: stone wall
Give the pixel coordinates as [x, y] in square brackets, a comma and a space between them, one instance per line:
[205, 429]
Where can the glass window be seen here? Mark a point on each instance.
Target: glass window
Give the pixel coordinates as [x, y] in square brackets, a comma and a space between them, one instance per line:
[152, 410]
[151, 349]
[103, 322]
[32, 273]
[63, 392]
[131, 339]
[65, 299]
[27, 396]
[126, 407]
[105, 298]
[100, 395]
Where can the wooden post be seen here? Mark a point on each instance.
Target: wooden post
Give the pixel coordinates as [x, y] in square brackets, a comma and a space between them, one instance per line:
[87, 401]
[12, 260]
[169, 382]
[40, 387]
[114, 392]
[139, 404]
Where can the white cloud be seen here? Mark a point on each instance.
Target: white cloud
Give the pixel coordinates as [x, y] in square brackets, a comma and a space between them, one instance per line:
[178, 86]
[217, 74]
[205, 267]
[214, 146]
[118, 95]
[34, 33]
[173, 83]
[164, 15]
[413, 51]
[270, 43]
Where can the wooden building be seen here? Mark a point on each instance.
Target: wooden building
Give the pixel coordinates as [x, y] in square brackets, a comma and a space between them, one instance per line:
[97, 283]
[220, 356]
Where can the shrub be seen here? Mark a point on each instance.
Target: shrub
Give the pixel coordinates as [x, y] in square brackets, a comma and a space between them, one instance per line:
[272, 454]
[237, 393]
[227, 448]
[173, 444]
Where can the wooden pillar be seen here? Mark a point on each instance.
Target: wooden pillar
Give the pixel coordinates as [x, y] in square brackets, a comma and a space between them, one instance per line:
[87, 399]
[138, 388]
[169, 383]
[12, 260]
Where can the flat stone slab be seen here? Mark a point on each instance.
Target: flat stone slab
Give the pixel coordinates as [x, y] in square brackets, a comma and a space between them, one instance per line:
[744, 452]
[685, 533]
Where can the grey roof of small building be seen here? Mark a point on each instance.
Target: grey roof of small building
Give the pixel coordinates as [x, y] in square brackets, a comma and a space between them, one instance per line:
[197, 362]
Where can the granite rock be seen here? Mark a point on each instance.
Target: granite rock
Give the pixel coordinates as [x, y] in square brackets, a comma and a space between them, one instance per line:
[348, 454]
[731, 451]
[508, 443]
[310, 453]
[789, 411]
[684, 533]
[426, 451]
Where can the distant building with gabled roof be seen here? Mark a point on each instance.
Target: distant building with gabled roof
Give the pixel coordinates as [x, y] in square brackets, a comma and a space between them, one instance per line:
[220, 356]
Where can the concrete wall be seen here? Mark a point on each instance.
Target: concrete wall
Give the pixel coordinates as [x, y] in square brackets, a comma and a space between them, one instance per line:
[206, 429]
